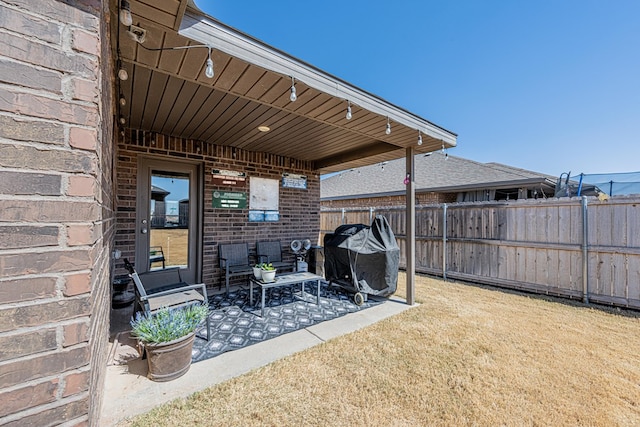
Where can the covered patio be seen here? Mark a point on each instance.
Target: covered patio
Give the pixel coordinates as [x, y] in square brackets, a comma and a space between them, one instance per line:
[243, 118]
[196, 94]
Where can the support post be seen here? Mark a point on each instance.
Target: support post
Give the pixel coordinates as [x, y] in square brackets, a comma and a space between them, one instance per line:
[585, 251]
[411, 227]
[444, 241]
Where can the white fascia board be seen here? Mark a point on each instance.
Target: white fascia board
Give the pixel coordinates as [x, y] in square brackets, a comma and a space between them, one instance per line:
[210, 32]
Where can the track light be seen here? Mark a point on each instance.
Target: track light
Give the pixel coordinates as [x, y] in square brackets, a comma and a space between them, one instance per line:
[419, 138]
[349, 115]
[125, 13]
[209, 70]
[388, 130]
[123, 100]
[293, 95]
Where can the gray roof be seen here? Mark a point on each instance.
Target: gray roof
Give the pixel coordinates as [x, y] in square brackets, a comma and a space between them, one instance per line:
[434, 172]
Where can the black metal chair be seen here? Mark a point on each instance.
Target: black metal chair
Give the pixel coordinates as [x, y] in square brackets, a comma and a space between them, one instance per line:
[156, 255]
[234, 261]
[165, 288]
[271, 252]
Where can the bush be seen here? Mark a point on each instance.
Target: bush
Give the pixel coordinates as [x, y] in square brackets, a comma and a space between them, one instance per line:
[168, 324]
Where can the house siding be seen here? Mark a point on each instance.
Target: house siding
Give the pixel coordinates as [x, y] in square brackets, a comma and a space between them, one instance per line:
[299, 209]
[372, 202]
[56, 215]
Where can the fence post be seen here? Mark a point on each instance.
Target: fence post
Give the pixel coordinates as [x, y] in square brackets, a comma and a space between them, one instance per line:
[444, 241]
[343, 215]
[585, 252]
[370, 215]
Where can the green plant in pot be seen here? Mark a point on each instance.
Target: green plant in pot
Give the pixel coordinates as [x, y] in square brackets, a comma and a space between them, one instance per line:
[257, 270]
[167, 336]
[268, 272]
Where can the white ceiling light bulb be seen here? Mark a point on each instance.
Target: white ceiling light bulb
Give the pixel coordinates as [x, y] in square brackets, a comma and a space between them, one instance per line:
[125, 13]
[293, 95]
[122, 73]
[349, 115]
[209, 70]
[388, 130]
[419, 138]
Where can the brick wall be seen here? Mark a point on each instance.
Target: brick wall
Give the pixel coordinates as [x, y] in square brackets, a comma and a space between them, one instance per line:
[299, 209]
[54, 212]
[426, 198]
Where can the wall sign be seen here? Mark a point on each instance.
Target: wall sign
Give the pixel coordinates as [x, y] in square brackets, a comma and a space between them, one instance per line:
[291, 180]
[229, 200]
[264, 193]
[228, 178]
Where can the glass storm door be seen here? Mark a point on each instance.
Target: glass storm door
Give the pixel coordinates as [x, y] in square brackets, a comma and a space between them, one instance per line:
[168, 223]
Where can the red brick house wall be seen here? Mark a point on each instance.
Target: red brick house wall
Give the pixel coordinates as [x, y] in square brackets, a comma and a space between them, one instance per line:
[56, 216]
[299, 209]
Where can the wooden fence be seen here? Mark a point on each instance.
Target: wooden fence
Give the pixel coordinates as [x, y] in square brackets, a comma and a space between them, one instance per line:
[577, 248]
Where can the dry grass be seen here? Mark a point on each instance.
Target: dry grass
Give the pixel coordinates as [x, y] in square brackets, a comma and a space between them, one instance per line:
[466, 356]
[174, 242]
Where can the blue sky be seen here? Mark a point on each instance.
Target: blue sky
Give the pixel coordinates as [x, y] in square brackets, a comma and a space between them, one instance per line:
[547, 85]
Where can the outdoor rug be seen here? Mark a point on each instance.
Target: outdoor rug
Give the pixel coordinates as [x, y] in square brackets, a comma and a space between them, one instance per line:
[236, 324]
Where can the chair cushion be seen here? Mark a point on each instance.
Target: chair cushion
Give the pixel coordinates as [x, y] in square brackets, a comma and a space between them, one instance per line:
[174, 300]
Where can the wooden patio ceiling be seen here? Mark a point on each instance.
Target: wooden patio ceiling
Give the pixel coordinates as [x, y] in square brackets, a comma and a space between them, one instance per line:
[167, 92]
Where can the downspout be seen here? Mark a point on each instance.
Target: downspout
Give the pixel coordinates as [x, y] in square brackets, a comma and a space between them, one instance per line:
[444, 241]
[585, 252]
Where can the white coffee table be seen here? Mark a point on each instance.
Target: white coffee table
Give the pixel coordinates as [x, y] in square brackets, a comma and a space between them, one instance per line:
[283, 280]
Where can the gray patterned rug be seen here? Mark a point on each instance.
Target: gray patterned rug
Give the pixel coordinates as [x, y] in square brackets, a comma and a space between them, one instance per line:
[236, 324]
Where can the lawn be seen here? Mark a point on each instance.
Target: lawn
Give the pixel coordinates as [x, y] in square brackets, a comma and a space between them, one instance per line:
[468, 355]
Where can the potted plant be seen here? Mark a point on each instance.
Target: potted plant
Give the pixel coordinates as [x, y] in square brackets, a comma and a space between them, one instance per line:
[167, 336]
[257, 271]
[268, 272]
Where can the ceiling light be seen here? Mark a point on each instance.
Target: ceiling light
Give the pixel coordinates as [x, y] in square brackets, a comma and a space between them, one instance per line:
[125, 13]
[264, 128]
[349, 115]
[122, 73]
[123, 100]
[209, 70]
[388, 130]
[419, 138]
[293, 95]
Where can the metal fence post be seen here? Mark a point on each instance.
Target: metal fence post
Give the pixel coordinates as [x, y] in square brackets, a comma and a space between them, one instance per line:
[444, 241]
[585, 252]
[370, 215]
[343, 215]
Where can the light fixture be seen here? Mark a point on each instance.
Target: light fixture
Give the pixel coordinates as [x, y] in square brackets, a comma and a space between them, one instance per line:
[122, 120]
[264, 128]
[419, 138]
[122, 73]
[349, 115]
[125, 13]
[293, 95]
[388, 130]
[444, 151]
[209, 70]
[123, 100]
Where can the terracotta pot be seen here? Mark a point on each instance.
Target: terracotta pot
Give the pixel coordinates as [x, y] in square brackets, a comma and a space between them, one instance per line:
[169, 360]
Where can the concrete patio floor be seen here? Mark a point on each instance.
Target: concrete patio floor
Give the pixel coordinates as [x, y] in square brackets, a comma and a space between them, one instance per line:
[128, 392]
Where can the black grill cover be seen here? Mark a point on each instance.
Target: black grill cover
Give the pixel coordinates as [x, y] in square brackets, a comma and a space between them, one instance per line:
[364, 258]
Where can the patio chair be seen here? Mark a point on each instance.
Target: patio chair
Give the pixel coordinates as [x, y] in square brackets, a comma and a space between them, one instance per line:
[234, 261]
[156, 255]
[165, 288]
[271, 252]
